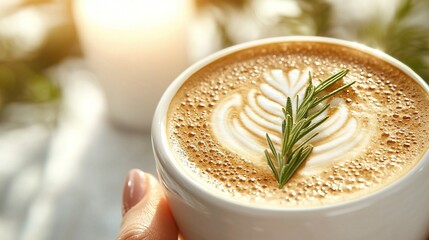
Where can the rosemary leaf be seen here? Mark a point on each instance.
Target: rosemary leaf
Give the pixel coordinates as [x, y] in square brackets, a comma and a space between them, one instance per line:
[297, 125]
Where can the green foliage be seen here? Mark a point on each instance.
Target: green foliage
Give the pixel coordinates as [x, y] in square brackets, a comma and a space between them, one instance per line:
[21, 83]
[24, 78]
[316, 16]
[404, 36]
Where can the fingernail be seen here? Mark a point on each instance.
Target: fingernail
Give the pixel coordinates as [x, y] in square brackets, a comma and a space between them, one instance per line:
[134, 189]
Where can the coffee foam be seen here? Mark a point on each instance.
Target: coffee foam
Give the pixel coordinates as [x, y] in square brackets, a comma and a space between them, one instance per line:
[384, 112]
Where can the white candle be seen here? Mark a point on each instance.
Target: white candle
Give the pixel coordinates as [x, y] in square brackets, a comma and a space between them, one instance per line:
[136, 47]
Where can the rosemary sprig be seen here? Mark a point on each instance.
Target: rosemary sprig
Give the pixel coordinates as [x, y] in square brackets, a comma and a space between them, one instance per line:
[297, 125]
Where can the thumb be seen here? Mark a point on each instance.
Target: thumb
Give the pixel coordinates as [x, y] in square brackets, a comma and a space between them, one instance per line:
[146, 215]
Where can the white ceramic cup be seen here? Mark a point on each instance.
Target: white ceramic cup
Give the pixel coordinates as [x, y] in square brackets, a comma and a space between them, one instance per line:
[399, 211]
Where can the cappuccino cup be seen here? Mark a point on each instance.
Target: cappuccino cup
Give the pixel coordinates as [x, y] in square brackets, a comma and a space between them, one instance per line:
[366, 177]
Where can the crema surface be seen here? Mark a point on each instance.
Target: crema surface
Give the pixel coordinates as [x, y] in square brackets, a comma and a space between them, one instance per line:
[376, 131]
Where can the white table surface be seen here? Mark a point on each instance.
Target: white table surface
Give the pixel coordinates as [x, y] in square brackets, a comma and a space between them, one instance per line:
[61, 177]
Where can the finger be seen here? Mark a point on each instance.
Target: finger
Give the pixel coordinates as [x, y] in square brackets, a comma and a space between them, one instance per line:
[146, 214]
[181, 237]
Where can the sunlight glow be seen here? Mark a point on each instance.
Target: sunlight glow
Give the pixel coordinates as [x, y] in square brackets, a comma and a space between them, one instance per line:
[25, 28]
[131, 14]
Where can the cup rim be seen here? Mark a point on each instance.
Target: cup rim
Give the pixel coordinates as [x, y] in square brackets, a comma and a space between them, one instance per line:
[166, 159]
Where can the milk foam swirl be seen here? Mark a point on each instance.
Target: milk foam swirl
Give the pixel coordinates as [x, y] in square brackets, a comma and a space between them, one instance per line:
[240, 121]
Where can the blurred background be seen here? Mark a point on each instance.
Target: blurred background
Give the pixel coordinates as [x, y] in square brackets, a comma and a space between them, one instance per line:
[80, 79]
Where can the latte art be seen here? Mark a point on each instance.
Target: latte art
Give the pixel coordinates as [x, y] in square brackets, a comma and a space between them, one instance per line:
[241, 121]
